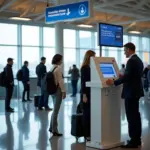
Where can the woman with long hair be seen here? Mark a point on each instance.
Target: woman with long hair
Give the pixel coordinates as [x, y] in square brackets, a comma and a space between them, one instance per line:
[86, 93]
[59, 95]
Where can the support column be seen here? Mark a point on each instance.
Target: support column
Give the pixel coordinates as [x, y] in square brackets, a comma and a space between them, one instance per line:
[59, 42]
[20, 62]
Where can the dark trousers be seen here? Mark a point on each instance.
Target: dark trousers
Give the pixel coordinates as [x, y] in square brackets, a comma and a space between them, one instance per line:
[86, 116]
[43, 99]
[74, 86]
[9, 92]
[133, 118]
[86, 119]
[26, 90]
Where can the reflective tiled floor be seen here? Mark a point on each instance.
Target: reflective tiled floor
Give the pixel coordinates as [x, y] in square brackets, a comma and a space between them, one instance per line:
[27, 128]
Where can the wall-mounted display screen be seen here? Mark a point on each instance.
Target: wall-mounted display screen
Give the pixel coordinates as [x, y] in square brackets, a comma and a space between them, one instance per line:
[110, 35]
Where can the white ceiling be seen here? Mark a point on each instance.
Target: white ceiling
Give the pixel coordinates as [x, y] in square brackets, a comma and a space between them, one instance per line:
[129, 13]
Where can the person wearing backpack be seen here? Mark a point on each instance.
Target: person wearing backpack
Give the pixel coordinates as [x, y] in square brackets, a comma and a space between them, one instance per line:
[41, 72]
[26, 82]
[59, 95]
[9, 84]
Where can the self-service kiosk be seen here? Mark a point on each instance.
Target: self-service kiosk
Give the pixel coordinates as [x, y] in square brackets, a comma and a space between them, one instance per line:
[105, 104]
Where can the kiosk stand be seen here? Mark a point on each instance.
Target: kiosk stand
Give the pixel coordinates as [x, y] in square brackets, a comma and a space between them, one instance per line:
[105, 105]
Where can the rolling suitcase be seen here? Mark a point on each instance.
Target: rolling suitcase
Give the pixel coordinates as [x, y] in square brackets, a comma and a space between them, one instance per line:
[76, 125]
[36, 100]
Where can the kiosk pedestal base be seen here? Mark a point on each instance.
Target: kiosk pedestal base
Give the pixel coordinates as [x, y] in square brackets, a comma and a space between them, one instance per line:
[99, 145]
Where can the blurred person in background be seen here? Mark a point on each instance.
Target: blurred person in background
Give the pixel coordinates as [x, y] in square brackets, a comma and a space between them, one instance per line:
[122, 70]
[145, 78]
[74, 71]
[9, 84]
[26, 81]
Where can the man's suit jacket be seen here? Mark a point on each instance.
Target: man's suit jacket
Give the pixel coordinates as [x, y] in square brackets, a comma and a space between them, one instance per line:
[132, 79]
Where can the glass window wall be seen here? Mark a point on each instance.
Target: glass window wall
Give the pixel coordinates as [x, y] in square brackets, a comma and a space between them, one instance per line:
[76, 43]
[31, 54]
[8, 34]
[30, 35]
[49, 37]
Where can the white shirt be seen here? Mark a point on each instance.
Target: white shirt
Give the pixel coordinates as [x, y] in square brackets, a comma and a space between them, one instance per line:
[131, 56]
[59, 77]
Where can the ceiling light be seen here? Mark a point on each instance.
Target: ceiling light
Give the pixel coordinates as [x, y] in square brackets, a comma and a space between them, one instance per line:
[19, 18]
[135, 32]
[85, 26]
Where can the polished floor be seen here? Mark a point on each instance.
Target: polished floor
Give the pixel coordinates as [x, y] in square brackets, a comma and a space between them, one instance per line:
[27, 128]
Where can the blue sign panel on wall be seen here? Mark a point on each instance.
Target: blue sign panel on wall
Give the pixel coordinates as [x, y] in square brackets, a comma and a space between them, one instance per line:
[72, 11]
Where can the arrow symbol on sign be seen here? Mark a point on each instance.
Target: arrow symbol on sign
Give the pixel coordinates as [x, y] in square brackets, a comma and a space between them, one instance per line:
[68, 12]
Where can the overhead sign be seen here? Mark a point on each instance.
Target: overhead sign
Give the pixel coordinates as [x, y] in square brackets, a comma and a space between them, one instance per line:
[72, 11]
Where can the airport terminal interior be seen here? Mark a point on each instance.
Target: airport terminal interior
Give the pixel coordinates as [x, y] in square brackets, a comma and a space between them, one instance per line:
[26, 35]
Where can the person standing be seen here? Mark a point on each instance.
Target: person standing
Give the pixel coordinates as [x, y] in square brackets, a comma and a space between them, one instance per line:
[59, 95]
[132, 92]
[74, 79]
[41, 72]
[9, 84]
[145, 78]
[86, 93]
[148, 79]
[122, 70]
[26, 81]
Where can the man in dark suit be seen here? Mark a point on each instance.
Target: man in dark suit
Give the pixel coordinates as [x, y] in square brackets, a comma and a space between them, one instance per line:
[9, 84]
[132, 92]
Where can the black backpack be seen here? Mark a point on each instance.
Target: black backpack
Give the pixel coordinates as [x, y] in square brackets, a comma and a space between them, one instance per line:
[51, 86]
[2, 79]
[19, 75]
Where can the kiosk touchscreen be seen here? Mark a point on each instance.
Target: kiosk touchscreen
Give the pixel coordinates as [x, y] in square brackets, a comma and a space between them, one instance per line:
[108, 70]
[103, 68]
[105, 104]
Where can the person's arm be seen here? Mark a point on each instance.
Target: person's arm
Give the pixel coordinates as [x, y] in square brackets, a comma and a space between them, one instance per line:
[85, 77]
[60, 79]
[148, 76]
[27, 75]
[70, 71]
[45, 71]
[23, 75]
[8, 75]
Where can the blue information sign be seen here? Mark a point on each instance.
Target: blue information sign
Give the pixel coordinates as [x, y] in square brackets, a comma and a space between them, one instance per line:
[72, 11]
